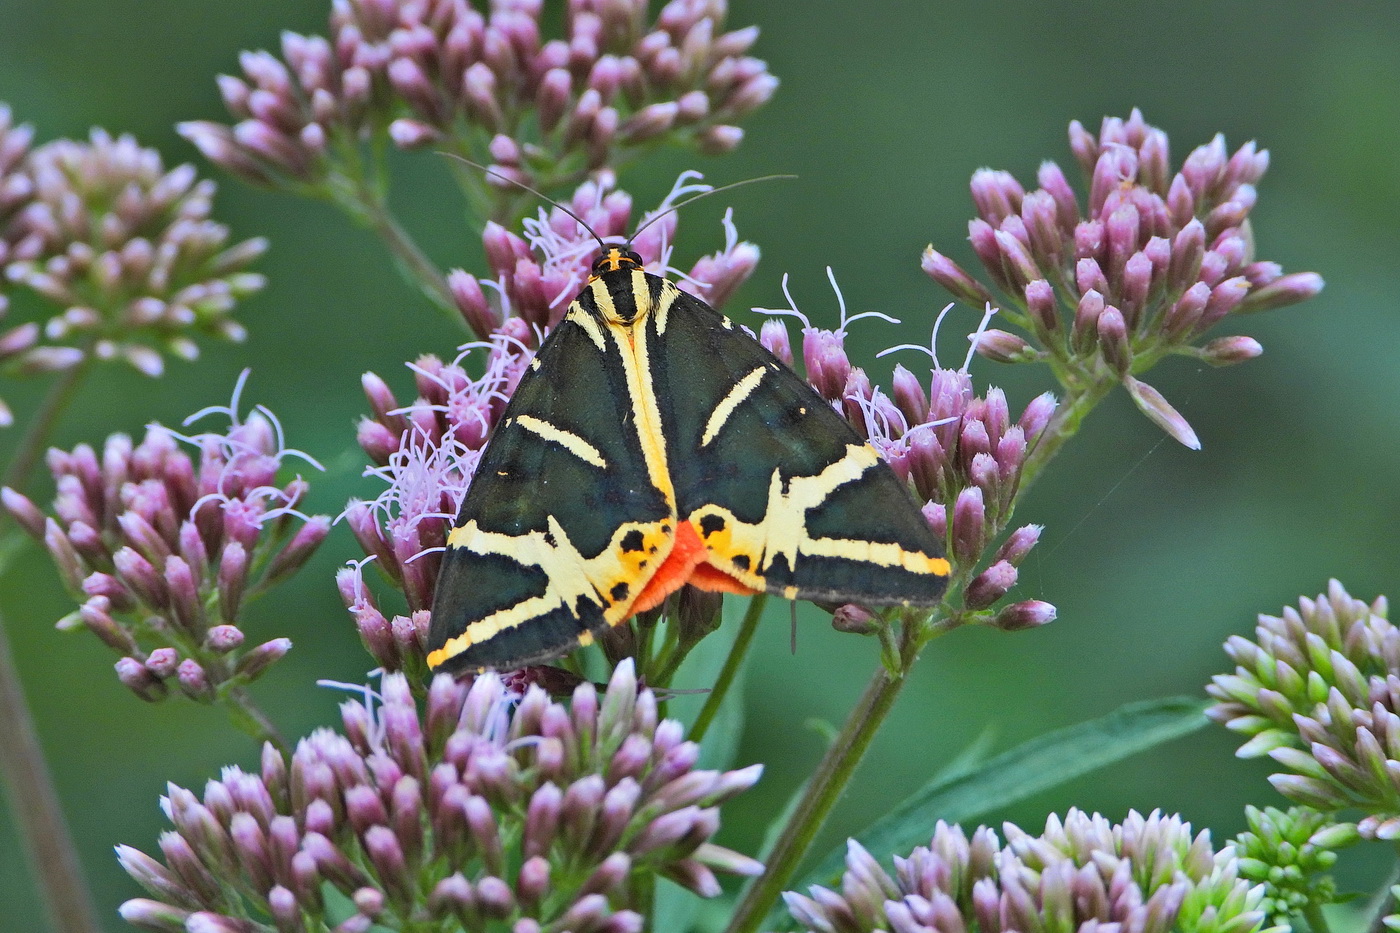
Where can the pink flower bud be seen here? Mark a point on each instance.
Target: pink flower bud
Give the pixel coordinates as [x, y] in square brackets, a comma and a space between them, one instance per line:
[969, 526]
[1226, 351]
[140, 681]
[1004, 347]
[1032, 613]
[255, 663]
[990, 585]
[1151, 403]
[194, 682]
[951, 276]
[856, 620]
[774, 337]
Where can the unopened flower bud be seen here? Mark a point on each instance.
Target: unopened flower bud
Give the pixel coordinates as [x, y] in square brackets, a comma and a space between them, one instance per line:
[1151, 403]
[969, 526]
[856, 620]
[951, 276]
[139, 680]
[1032, 613]
[990, 585]
[1002, 346]
[774, 337]
[194, 682]
[1113, 341]
[1283, 291]
[1227, 351]
[298, 550]
[1019, 544]
[255, 663]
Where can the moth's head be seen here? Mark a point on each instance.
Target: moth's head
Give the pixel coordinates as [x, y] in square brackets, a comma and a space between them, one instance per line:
[615, 259]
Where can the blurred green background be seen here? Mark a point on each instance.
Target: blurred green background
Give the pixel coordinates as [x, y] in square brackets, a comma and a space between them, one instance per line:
[1153, 554]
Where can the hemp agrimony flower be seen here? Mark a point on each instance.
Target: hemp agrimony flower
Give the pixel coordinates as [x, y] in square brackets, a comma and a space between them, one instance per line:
[16, 187]
[441, 73]
[1152, 263]
[1290, 853]
[127, 252]
[1318, 691]
[164, 554]
[487, 811]
[1147, 874]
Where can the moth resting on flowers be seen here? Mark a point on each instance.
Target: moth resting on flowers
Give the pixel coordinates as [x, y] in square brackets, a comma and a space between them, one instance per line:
[651, 444]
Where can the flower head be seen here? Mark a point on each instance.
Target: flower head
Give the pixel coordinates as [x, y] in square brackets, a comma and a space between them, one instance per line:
[442, 73]
[425, 453]
[489, 810]
[1318, 691]
[1083, 873]
[163, 553]
[1289, 853]
[16, 186]
[16, 191]
[125, 249]
[1150, 264]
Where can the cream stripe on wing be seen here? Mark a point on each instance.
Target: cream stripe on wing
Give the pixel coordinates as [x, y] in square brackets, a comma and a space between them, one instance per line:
[669, 294]
[568, 440]
[742, 390]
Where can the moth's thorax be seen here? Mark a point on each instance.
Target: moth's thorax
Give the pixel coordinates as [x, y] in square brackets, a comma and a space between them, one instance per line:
[621, 296]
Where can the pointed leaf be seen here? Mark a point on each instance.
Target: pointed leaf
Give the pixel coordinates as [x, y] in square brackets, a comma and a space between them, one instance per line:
[1028, 769]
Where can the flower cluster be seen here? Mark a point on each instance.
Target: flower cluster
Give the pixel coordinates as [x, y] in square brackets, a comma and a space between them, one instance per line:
[951, 446]
[1318, 691]
[1153, 262]
[1147, 874]
[439, 72]
[164, 554]
[426, 452]
[535, 276]
[16, 189]
[122, 246]
[479, 814]
[1289, 854]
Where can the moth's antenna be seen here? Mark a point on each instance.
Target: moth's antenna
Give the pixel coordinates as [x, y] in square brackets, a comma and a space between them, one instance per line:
[544, 197]
[704, 194]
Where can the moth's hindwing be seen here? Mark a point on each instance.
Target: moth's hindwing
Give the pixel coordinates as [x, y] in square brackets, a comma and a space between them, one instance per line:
[562, 523]
[785, 495]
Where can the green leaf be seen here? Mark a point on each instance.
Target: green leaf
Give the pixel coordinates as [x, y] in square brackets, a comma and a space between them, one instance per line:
[1028, 769]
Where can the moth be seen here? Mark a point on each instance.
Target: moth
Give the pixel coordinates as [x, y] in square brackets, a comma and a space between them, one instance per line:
[650, 444]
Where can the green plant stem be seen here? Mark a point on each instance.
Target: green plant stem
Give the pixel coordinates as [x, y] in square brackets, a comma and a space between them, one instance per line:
[825, 787]
[34, 801]
[737, 653]
[53, 858]
[1317, 921]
